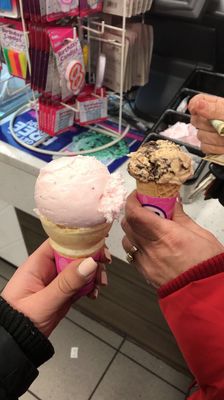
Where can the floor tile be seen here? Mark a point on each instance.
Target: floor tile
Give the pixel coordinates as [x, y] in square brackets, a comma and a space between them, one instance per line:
[6, 270]
[2, 283]
[95, 328]
[157, 366]
[128, 381]
[65, 378]
[27, 396]
[12, 246]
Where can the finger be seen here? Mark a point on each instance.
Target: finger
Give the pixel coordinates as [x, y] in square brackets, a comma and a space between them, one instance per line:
[102, 279]
[105, 256]
[209, 107]
[127, 244]
[69, 282]
[211, 138]
[182, 219]
[212, 149]
[143, 222]
[202, 123]
[41, 263]
[94, 294]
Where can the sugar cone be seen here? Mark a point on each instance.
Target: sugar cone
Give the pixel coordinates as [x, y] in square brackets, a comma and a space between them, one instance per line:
[76, 242]
[157, 190]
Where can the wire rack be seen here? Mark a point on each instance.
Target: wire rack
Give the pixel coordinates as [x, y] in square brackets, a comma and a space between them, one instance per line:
[95, 30]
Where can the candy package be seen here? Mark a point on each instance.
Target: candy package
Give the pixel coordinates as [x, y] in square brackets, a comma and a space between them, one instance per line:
[9, 8]
[13, 44]
[88, 7]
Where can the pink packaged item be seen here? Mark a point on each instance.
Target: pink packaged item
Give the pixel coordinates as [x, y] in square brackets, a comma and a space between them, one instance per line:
[92, 104]
[69, 61]
[88, 7]
[56, 9]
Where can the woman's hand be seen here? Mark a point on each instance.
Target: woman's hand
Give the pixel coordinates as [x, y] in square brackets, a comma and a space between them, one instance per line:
[37, 291]
[166, 248]
[204, 108]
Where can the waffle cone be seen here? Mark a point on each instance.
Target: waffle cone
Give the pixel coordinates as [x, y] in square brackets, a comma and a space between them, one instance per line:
[76, 242]
[154, 189]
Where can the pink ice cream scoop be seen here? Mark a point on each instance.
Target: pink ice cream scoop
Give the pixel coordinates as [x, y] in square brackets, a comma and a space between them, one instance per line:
[78, 192]
[186, 133]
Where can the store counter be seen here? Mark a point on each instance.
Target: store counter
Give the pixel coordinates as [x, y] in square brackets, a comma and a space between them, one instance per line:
[18, 172]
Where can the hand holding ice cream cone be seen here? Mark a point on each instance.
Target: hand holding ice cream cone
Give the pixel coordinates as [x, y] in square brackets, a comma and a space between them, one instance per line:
[77, 201]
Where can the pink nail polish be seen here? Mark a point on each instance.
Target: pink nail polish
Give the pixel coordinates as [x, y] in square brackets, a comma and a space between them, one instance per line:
[87, 267]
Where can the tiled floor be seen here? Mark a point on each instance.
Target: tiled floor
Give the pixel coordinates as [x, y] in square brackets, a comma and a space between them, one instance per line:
[107, 366]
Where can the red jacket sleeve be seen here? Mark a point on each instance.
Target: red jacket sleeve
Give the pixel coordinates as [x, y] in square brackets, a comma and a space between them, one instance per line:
[195, 314]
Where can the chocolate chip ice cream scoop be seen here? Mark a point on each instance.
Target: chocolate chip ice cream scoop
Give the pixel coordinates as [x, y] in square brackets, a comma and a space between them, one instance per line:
[162, 162]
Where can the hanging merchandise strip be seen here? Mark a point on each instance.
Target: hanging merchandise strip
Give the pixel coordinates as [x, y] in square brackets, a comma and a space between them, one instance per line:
[9, 8]
[13, 45]
[133, 7]
[54, 53]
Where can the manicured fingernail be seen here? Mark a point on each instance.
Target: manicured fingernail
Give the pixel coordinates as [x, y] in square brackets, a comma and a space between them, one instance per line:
[87, 267]
[104, 279]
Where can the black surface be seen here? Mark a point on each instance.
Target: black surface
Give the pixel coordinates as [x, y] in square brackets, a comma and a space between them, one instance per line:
[171, 117]
[207, 82]
[183, 94]
[166, 79]
[179, 48]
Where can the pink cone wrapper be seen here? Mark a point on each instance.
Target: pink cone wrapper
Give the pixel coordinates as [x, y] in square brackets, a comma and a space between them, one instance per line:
[164, 207]
[62, 262]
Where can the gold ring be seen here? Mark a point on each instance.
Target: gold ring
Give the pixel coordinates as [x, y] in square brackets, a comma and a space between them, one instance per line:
[130, 254]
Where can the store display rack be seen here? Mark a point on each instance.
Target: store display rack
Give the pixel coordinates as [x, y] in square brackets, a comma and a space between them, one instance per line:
[95, 29]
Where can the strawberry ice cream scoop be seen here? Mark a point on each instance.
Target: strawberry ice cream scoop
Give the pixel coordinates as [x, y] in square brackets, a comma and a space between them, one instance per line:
[78, 192]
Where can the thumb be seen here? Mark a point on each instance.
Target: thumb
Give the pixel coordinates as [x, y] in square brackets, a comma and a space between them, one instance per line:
[69, 282]
[208, 107]
[181, 218]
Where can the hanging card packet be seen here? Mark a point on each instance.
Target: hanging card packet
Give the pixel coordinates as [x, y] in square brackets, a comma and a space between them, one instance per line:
[116, 7]
[13, 43]
[37, 10]
[69, 59]
[54, 118]
[56, 9]
[26, 9]
[113, 54]
[9, 8]
[92, 105]
[88, 7]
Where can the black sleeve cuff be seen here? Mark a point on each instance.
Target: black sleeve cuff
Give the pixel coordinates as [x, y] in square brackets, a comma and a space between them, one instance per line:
[36, 347]
[17, 373]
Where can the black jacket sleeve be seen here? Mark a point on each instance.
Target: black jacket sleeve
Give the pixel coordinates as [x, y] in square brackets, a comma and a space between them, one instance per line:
[22, 350]
[16, 371]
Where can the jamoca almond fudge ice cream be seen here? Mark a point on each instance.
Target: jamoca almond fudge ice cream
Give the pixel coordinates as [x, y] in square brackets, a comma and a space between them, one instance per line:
[160, 168]
[77, 200]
